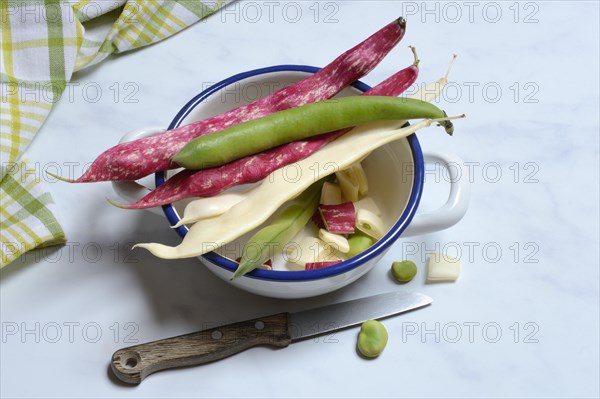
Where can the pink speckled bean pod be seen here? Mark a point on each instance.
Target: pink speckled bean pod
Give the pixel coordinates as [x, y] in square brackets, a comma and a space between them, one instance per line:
[250, 169]
[139, 158]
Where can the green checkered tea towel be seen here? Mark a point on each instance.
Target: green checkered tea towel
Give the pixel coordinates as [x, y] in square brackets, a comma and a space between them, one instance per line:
[42, 44]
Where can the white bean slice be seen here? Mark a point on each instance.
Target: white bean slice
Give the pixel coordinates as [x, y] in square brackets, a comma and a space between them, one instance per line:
[358, 174]
[336, 241]
[348, 185]
[442, 268]
[369, 204]
[331, 194]
[369, 223]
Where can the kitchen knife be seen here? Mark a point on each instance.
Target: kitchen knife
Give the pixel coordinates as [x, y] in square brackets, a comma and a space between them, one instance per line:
[133, 364]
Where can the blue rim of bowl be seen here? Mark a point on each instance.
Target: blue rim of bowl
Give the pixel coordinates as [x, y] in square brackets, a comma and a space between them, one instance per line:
[302, 275]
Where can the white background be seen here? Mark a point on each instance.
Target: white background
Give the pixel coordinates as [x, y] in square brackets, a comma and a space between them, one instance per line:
[522, 320]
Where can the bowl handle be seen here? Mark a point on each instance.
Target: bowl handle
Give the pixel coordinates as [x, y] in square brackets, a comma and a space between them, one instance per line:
[132, 191]
[456, 205]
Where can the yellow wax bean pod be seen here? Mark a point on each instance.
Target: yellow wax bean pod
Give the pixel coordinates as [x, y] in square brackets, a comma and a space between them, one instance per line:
[205, 208]
[208, 234]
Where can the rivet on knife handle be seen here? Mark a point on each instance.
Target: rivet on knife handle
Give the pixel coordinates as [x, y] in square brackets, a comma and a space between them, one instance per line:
[133, 364]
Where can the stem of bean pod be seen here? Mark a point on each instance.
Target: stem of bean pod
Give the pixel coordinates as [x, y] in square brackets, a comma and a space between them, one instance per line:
[446, 122]
[454, 56]
[417, 60]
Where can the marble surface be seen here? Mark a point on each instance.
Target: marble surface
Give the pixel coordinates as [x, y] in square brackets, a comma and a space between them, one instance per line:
[522, 320]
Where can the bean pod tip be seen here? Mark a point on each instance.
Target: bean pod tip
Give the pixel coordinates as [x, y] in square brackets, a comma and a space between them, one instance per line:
[446, 122]
[115, 203]
[402, 22]
[60, 177]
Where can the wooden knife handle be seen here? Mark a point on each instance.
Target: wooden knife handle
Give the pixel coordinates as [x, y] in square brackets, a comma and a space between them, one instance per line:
[133, 364]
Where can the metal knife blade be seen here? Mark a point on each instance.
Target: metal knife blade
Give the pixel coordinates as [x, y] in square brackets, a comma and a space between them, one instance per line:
[133, 364]
[328, 318]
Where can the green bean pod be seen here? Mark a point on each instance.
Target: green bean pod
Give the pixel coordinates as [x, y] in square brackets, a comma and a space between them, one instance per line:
[272, 238]
[299, 123]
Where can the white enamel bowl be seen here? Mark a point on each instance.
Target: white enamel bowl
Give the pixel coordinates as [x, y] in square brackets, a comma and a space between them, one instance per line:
[395, 173]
